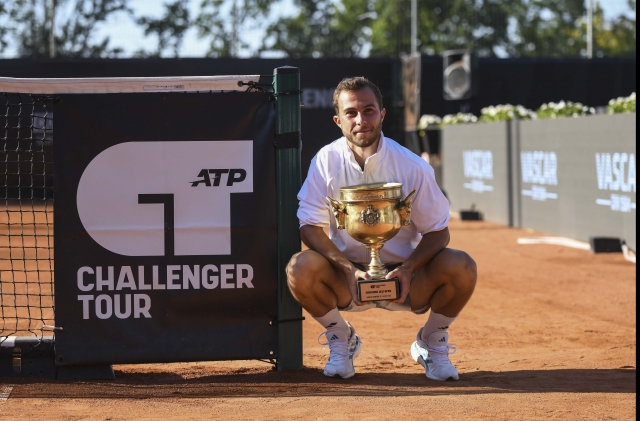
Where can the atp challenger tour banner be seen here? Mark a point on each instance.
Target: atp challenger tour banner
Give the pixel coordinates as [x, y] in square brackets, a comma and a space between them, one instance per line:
[165, 227]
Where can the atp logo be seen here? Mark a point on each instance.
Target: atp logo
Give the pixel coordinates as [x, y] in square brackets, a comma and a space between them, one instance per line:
[138, 198]
[235, 176]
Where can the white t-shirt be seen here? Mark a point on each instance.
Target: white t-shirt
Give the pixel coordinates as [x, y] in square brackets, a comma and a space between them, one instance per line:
[335, 166]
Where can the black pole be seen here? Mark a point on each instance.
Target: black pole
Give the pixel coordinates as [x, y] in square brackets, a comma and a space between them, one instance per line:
[286, 84]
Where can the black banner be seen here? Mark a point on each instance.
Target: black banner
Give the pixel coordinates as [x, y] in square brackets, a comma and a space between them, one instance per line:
[165, 227]
[526, 81]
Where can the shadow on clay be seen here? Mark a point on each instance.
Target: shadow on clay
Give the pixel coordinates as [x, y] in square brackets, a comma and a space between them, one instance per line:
[311, 382]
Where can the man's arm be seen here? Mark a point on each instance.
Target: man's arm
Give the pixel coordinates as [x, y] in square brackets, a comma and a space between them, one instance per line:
[315, 238]
[430, 245]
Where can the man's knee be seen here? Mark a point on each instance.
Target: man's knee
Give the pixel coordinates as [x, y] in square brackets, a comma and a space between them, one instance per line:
[300, 270]
[460, 268]
[466, 271]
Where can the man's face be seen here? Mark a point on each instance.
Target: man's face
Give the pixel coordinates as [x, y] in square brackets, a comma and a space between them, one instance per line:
[360, 117]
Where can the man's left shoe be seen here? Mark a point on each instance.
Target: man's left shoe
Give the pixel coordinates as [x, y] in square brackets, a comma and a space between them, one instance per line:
[433, 355]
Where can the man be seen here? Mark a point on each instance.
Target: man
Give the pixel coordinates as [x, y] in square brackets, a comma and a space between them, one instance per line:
[431, 276]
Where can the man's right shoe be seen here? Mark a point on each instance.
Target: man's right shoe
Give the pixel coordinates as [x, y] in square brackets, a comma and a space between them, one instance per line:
[344, 348]
[433, 355]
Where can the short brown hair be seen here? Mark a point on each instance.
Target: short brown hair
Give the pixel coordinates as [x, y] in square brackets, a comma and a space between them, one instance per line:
[355, 84]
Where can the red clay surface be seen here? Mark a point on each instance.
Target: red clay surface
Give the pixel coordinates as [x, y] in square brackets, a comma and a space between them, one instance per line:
[549, 334]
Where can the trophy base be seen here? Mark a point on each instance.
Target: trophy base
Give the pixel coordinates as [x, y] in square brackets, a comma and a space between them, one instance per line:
[378, 289]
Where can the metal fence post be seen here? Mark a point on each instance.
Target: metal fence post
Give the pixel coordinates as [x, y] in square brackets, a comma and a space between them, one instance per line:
[286, 84]
[513, 169]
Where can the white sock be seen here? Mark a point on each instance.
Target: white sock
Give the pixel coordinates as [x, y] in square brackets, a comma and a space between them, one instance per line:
[436, 323]
[333, 321]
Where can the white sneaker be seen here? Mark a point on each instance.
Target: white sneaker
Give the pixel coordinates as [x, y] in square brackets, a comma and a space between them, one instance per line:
[433, 355]
[343, 350]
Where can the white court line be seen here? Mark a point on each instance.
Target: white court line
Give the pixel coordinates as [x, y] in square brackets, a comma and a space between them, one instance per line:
[558, 241]
[628, 254]
[5, 391]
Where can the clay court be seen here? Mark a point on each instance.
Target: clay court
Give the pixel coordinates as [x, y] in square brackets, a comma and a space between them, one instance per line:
[549, 334]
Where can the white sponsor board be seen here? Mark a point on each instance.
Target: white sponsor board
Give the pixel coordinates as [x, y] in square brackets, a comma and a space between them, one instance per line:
[478, 165]
[616, 173]
[478, 186]
[539, 168]
[200, 178]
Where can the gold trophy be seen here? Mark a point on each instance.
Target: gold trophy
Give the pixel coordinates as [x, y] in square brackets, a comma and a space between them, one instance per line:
[373, 214]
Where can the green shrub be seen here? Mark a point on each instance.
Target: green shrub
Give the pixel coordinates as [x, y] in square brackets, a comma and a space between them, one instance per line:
[563, 109]
[622, 105]
[506, 112]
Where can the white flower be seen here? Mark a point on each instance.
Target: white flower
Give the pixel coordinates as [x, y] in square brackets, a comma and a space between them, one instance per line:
[428, 120]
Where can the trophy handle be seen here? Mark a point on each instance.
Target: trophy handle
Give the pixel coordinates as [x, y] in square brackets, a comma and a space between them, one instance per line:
[404, 208]
[339, 211]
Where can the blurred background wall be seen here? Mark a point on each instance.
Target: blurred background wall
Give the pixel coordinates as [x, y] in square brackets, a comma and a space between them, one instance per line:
[528, 52]
[525, 81]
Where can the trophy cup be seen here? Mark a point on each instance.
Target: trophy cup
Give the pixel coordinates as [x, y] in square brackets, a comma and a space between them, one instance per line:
[373, 214]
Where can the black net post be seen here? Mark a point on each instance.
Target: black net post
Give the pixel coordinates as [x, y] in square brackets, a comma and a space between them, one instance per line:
[286, 86]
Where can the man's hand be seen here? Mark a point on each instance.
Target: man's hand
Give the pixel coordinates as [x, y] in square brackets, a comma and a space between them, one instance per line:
[352, 277]
[431, 244]
[404, 276]
[316, 239]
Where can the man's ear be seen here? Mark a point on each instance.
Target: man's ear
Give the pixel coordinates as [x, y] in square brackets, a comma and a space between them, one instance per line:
[383, 112]
[336, 120]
